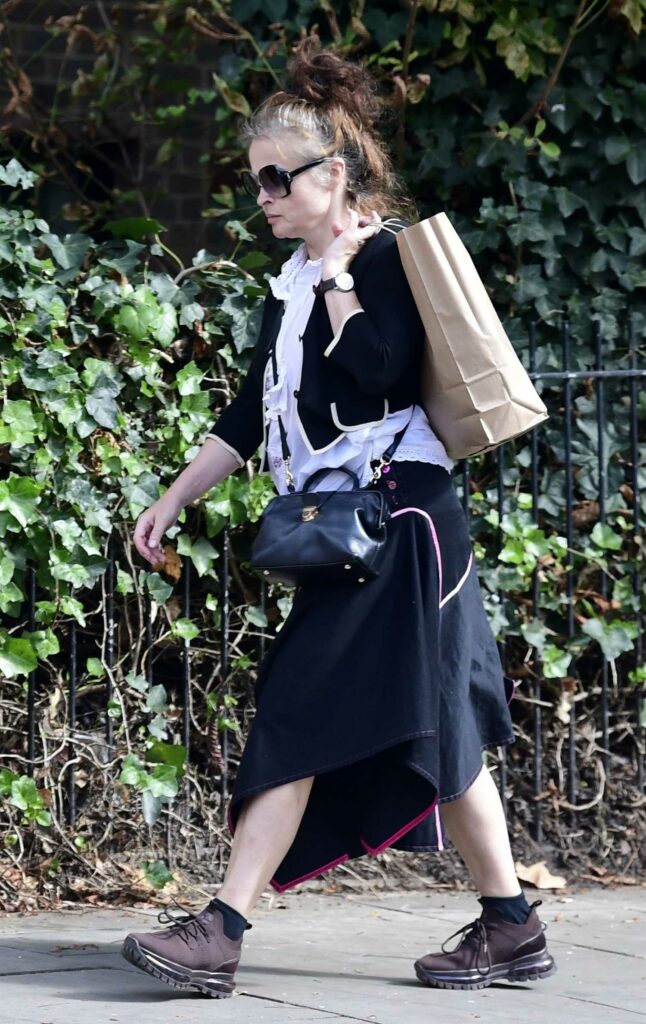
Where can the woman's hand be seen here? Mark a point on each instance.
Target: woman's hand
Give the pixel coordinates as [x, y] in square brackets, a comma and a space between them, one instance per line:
[151, 527]
[348, 240]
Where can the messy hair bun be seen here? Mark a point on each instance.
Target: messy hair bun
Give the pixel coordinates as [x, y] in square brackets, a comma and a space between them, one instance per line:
[331, 106]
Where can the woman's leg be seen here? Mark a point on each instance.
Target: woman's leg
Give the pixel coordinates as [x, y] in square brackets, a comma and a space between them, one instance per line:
[264, 833]
[476, 825]
[507, 941]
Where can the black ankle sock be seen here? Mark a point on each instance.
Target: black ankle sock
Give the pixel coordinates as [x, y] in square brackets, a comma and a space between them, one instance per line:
[514, 909]
[234, 924]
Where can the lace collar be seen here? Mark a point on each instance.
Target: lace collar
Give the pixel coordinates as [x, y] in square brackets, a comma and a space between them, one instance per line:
[283, 284]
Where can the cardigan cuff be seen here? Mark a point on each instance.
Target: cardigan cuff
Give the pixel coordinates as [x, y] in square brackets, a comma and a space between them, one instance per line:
[227, 447]
[337, 336]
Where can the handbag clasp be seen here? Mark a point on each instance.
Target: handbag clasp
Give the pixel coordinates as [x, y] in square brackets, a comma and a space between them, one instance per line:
[378, 470]
[309, 513]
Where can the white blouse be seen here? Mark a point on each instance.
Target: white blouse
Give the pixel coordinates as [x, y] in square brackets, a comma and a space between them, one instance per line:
[354, 450]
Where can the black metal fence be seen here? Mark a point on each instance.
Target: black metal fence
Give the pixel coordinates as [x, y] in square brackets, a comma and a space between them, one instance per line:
[609, 389]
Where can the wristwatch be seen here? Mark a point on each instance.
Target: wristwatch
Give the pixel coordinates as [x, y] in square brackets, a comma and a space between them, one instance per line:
[344, 282]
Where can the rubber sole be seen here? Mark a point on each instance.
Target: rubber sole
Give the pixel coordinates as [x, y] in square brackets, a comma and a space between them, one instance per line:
[205, 982]
[528, 968]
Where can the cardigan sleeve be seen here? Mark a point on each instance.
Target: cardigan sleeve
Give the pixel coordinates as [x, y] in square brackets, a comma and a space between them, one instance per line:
[240, 426]
[377, 343]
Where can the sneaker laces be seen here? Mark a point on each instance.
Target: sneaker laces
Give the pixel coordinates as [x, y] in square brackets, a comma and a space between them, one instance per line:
[187, 927]
[475, 932]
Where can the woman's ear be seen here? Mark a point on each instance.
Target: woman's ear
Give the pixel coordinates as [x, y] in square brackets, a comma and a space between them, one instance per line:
[337, 171]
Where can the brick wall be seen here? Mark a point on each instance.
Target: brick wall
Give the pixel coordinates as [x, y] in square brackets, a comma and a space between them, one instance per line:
[175, 192]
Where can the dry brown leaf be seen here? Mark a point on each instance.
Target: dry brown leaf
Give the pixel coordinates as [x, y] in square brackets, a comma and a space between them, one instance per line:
[172, 564]
[539, 875]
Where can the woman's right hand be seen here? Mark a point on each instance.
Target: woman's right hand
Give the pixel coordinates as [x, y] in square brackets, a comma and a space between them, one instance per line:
[151, 527]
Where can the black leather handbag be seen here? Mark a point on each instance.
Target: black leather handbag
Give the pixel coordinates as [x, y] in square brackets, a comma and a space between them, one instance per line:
[323, 537]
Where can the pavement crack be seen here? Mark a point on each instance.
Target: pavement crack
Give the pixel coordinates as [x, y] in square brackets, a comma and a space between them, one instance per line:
[55, 970]
[607, 1006]
[595, 949]
[306, 1006]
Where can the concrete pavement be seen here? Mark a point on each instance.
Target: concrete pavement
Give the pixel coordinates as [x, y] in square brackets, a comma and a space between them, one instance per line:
[338, 958]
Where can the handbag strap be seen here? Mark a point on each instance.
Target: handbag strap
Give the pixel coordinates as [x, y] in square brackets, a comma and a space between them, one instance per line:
[378, 464]
[289, 477]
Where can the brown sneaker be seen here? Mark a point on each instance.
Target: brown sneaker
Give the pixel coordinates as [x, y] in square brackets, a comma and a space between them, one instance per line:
[194, 953]
[490, 949]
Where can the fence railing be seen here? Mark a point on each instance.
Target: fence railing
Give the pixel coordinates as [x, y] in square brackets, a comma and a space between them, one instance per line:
[600, 377]
[619, 385]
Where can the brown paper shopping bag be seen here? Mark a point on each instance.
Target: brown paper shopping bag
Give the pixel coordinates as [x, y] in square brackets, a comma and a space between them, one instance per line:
[475, 390]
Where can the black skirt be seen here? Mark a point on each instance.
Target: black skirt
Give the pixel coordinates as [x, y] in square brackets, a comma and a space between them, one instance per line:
[386, 692]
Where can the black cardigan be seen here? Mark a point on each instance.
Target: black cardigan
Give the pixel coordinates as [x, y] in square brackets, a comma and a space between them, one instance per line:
[350, 381]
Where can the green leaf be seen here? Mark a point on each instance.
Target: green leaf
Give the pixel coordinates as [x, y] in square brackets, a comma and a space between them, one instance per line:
[550, 149]
[636, 164]
[617, 148]
[184, 629]
[158, 589]
[157, 873]
[7, 778]
[134, 227]
[45, 642]
[256, 615]
[168, 753]
[102, 408]
[555, 662]
[200, 551]
[19, 497]
[190, 313]
[189, 379]
[70, 252]
[133, 772]
[164, 327]
[24, 793]
[162, 781]
[70, 606]
[124, 258]
[17, 657]
[534, 633]
[156, 700]
[605, 537]
[137, 682]
[68, 530]
[125, 582]
[14, 173]
[142, 492]
[158, 727]
[7, 568]
[95, 668]
[612, 638]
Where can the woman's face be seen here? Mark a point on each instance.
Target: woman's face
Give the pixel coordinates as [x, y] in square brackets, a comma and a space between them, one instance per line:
[309, 203]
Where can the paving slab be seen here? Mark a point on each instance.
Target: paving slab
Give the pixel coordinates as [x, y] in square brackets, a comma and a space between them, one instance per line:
[313, 957]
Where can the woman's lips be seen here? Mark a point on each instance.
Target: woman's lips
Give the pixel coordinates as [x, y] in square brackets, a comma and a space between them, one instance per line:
[274, 216]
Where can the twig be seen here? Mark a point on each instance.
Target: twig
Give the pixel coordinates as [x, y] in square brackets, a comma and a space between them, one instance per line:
[574, 28]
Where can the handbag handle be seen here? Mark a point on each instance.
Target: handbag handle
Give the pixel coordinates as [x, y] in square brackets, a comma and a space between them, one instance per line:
[319, 473]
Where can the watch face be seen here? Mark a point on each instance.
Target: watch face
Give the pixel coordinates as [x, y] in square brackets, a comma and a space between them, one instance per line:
[344, 281]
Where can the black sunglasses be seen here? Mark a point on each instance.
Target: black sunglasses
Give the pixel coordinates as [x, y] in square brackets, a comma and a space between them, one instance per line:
[275, 180]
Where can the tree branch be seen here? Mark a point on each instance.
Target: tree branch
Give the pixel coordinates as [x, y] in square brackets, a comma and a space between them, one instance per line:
[581, 13]
[408, 45]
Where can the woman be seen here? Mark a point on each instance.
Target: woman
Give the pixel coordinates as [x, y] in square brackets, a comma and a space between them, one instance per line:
[374, 702]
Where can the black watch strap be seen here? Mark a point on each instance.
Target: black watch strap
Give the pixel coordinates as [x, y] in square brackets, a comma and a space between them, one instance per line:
[324, 286]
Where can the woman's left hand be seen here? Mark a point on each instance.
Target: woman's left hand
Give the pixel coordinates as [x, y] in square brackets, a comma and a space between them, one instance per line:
[349, 239]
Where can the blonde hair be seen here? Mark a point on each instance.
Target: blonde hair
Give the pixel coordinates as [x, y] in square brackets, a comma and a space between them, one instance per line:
[331, 107]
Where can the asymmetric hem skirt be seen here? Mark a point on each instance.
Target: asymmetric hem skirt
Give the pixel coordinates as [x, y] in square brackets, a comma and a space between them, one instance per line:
[386, 692]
